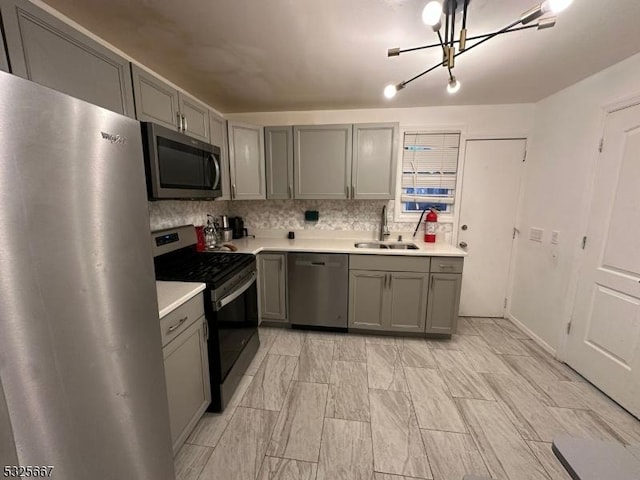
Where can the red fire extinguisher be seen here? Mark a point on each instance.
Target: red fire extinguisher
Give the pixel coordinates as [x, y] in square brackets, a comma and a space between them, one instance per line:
[430, 226]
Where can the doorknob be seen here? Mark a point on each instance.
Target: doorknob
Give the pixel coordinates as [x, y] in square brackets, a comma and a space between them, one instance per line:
[463, 244]
[464, 227]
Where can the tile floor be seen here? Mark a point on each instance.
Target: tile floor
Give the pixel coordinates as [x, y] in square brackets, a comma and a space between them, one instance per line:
[325, 406]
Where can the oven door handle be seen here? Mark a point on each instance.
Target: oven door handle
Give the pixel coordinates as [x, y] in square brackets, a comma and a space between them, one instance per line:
[230, 298]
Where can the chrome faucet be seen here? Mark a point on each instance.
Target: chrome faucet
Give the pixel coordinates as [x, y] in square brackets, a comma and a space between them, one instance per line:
[384, 228]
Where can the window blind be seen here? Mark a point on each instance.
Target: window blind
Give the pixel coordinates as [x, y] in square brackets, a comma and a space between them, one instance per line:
[429, 169]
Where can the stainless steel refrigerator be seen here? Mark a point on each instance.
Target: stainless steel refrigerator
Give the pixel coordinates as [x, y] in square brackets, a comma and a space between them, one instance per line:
[82, 384]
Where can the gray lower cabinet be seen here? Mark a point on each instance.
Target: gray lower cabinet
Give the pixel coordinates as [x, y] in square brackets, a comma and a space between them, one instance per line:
[218, 135]
[375, 153]
[388, 293]
[389, 301]
[443, 303]
[278, 144]
[408, 301]
[322, 161]
[47, 51]
[158, 102]
[272, 286]
[186, 368]
[368, 300]
[246, 161]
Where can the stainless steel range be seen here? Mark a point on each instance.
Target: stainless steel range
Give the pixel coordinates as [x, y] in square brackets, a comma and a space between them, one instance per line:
[231, 305]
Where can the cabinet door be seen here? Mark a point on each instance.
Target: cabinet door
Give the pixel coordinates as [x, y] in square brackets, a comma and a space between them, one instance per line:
[273, 300]
[368, 299]
[375, 153]
[246, 161]
[196, 117]
[155, 100]
[186, 369]
[408, 301]
[218, 135]
[322, 161]
[47, 51]
[443, 302]
[278, 143]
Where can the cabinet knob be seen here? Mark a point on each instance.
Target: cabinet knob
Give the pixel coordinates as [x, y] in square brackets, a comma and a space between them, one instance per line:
[463, 244]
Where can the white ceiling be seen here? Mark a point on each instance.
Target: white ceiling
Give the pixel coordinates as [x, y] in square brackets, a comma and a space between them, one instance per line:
[275, 55]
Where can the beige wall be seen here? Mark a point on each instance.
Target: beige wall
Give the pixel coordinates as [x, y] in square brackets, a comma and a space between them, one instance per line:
[558, 174]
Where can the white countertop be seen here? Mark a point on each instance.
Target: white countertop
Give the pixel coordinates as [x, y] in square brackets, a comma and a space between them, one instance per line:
[326, 245]
[173, 294]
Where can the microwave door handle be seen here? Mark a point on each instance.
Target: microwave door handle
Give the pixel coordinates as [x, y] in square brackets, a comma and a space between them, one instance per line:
[230, 298]
[216, 182]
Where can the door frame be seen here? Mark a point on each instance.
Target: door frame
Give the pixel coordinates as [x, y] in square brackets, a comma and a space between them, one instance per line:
[578, 257]
[514, 245]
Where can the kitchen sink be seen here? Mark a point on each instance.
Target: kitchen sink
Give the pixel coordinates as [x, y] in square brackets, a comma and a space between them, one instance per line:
[392, 246]
[370, 245]
[402, 246]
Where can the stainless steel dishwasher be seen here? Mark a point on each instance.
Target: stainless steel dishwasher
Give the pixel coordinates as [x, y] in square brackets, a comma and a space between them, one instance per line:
[318, 285]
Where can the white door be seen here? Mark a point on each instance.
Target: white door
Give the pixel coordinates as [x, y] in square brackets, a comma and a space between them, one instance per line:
[604, 343]
[490, 190]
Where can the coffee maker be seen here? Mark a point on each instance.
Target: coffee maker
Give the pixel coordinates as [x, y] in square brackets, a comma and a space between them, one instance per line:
[237, 226]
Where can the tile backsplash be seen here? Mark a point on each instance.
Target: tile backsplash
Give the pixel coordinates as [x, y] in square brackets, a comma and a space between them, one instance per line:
[268, 215]
[173, 213]
[335, 215]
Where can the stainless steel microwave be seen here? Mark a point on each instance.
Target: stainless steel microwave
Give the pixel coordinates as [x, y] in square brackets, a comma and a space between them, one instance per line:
[178, 166]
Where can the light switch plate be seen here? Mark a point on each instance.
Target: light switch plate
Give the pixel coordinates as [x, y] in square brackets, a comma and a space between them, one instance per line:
[555, 237]
[535, 234]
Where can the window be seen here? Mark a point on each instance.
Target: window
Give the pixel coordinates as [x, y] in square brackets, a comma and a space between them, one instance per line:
[429, 171]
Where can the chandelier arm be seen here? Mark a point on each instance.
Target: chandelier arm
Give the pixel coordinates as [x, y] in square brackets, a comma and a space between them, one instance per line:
[464, 14]
[444, 50]
[421, 74]
[453, 24]
[477, 37]
[490, 36]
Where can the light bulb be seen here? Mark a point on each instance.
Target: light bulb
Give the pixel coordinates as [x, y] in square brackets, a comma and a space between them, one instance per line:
[453, 86]
[390, 91]
[431, 13]
[555, 6]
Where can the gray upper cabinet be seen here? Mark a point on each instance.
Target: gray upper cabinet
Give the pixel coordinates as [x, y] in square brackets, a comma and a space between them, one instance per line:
[278, 142]
[272, 277]
[47, 51]
[246, 161]
[156, 101]
[443, 302]
[375, 153]
[322, 161]
[218, 135]
[195, 117]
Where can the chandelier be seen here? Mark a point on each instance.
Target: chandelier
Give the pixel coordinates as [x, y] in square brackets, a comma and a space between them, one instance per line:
[432, 16]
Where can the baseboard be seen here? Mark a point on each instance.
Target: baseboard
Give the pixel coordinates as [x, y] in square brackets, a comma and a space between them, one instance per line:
[533, 336]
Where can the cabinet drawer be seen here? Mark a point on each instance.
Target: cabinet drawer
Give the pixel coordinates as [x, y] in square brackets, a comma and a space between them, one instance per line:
[446, 264]
[389, 263]
[181, 318]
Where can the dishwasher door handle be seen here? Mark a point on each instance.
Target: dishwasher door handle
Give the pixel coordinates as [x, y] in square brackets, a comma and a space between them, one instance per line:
[307, 263]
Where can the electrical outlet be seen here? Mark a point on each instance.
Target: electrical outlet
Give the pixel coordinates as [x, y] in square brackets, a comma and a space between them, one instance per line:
[555, 237]
[535, 234]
